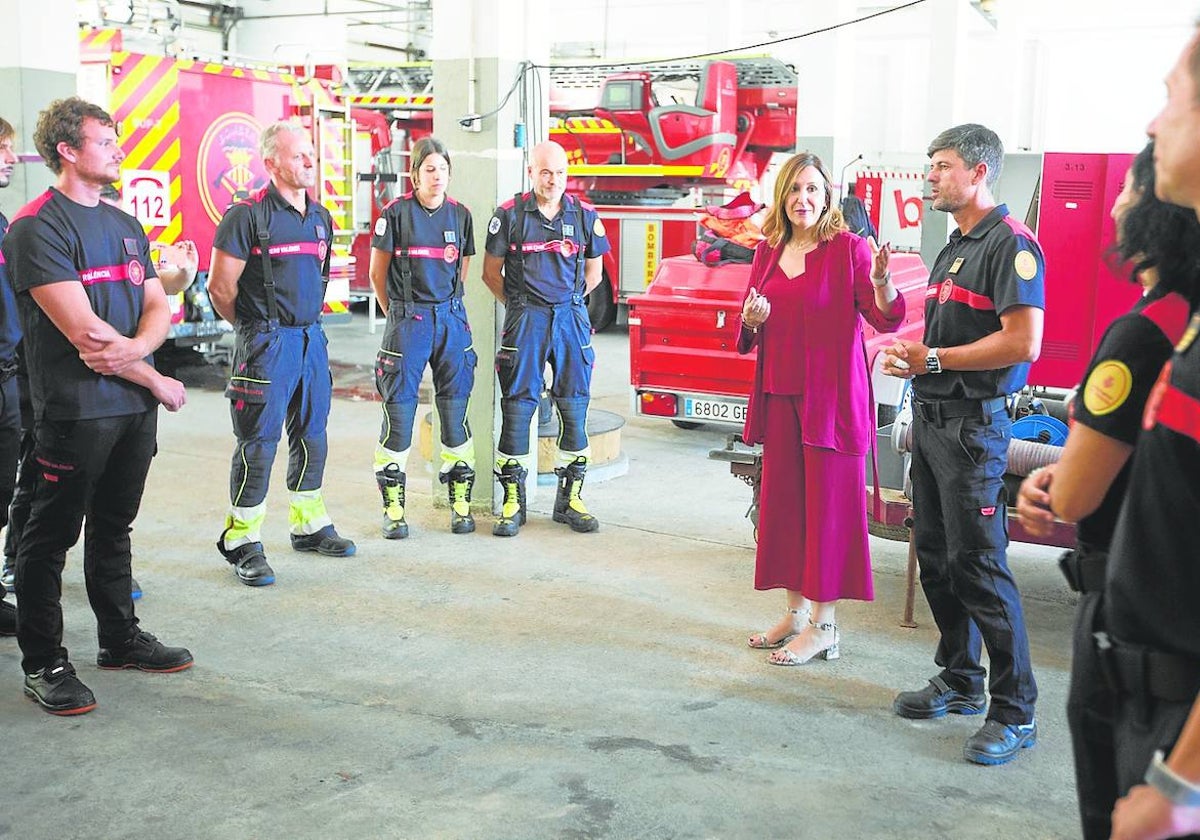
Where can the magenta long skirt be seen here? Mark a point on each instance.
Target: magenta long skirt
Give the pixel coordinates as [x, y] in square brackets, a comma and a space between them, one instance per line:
[812, 518]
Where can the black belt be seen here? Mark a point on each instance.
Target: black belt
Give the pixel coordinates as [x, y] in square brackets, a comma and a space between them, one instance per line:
[538, 303]
[1142, 671]
[939, 411]
[1084, 569]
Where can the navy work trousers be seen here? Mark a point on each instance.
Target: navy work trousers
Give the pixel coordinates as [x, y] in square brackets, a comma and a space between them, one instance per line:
[280, 376]
[533, 335]
[960, 531]
[437, 335]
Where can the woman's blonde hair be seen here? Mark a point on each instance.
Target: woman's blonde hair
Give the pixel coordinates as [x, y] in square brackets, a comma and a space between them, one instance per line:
[778, 228]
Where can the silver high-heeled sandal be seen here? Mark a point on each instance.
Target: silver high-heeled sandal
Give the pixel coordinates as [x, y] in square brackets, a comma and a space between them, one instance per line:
[828, 653]
[759, 640]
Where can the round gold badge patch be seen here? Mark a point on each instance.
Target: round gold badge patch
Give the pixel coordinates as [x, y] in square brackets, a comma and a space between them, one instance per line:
[598, 227]
[1025, 264]
[1107, 388]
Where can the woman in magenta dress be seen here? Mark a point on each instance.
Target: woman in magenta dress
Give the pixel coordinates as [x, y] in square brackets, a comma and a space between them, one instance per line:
[811, 284]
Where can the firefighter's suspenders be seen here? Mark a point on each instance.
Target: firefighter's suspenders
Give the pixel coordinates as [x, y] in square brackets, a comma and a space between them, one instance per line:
[519, 241]
[405, 259]
[261, 218]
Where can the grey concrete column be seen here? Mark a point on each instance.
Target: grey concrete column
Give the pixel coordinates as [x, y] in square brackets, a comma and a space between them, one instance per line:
[478, 47]
[39, 60]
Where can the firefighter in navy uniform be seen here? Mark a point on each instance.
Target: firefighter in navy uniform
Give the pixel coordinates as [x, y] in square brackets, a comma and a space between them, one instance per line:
[10, 410]
[92, 311]
[1088, 483]
[543, 257]
[422, 246]
[983, 320]
[270, 261]
[1150, 651]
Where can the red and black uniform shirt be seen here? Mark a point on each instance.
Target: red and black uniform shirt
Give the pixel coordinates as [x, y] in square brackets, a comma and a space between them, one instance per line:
[300, 248]
[437, 241]
[550, 246]
[976, 278]
[10, 321]
[1154, 563]
[54, 240]
[1119, 377]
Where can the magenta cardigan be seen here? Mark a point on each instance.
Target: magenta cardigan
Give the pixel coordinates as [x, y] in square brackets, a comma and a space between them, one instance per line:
[837, 413]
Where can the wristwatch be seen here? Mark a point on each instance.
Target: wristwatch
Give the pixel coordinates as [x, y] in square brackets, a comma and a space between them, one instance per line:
[1170, 784]
[933, 364]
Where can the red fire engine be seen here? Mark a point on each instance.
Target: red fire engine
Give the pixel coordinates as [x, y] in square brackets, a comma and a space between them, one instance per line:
[638, 141]
[189, 130]
[658, 135]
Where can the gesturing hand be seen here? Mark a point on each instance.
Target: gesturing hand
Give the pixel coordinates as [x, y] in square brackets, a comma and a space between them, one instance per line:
[881, 257]
[755, 310]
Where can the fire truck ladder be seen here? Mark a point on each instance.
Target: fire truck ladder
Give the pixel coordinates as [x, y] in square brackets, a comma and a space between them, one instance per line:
[753, 71]
[393, 87]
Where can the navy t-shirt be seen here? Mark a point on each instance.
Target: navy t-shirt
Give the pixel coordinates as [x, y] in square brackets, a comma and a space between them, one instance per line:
[998, 264]
[10, 321]
[54, 240]
[1118, 380]
[1153, 565]
[550, 246]
[300, 253]
[437, 241]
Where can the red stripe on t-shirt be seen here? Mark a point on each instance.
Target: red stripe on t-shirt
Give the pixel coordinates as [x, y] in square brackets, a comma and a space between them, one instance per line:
[104, 274]
[32, 208]
[1170, 313]
[291, 249]
[1178, 411]
[562, 246]
[960, 295]
[424, 253]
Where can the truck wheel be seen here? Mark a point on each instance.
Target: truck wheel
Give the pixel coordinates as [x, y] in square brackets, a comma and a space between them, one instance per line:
[602, 309]
[687, 424]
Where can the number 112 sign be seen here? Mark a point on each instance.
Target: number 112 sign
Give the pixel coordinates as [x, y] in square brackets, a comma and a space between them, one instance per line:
[147, 196]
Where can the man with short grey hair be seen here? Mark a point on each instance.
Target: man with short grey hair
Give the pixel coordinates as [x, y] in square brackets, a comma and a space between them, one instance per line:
[270, 263]
[983, 327]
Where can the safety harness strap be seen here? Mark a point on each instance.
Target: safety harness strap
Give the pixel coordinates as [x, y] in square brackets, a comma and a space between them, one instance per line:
[260, 218]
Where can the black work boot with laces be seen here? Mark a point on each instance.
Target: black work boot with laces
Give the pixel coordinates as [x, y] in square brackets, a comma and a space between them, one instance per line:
[391, 483]
[459, 481]
[512, 512]
[568, 506]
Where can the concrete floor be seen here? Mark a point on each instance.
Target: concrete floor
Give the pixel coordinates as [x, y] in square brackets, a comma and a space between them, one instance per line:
[550, 686]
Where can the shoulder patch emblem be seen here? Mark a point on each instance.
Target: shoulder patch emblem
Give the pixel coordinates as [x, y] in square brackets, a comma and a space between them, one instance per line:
[494, 226]
[1025, 264]
[598, 227]
[1107, 388]
[137, 274]
[380, 226]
